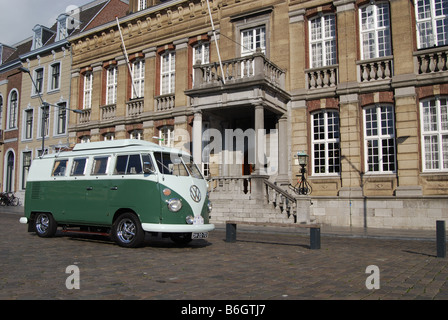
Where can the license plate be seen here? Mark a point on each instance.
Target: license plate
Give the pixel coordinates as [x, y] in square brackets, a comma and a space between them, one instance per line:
[199, 235]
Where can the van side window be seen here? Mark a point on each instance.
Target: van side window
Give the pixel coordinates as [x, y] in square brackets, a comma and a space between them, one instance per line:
[134, 164]
[79, 166]
[59, 168]
[100, 165]
[128, 164]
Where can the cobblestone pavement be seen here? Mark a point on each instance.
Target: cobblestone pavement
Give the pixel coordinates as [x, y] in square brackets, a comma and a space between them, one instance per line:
[259, 266]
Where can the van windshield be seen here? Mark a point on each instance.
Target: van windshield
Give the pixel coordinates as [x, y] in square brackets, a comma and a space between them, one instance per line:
[173, 164]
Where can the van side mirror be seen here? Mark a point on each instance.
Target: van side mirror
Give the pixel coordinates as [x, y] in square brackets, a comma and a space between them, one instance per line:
[148, 167]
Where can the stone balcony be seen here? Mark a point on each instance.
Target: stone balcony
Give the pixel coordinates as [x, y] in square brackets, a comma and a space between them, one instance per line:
[239, 81]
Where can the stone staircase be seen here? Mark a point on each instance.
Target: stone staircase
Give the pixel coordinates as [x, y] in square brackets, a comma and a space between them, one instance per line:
[255, 199]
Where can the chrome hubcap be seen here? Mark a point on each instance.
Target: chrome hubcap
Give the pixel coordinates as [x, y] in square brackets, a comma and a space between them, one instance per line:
[126, 230]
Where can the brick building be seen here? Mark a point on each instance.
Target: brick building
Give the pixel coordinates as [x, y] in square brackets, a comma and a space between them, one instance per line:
[360, 86]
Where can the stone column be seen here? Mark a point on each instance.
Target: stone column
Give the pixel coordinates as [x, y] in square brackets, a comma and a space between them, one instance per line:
[197, 138]
[259, 138]
[283, 150]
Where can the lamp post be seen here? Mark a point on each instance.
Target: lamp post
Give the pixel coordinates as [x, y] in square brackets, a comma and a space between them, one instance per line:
[304, 186]
[44, 105]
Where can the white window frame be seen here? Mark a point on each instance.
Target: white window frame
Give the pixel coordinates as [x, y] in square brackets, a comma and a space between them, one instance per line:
[27, 112]
[88, 88]
[168, 72]
[142, 5]
[138, 72]
[381, 135]
[57, 118]
[201, 52]
[35, 86]
[428, 18]
[253, 38]
[111, 85]
[47, 122]
[375, 29]
[166, 136]
[13, 110]
[327, 136]
[51, 85]
[322, 43]
[62, 27]
[434, 129]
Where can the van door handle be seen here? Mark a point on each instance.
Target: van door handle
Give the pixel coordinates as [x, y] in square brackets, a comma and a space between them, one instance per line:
[89, 188]
[114, 188]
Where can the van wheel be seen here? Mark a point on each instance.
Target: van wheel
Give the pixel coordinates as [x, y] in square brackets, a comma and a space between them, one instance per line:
[45, 225]
[127, 231]
[181, 238]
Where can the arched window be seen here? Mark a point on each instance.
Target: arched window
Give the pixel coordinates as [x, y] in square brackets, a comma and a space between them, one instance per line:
[13, 109]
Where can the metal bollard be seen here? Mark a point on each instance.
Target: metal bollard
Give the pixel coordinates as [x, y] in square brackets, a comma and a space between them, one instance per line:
[230, 232]
[314, 238]
[441, 239]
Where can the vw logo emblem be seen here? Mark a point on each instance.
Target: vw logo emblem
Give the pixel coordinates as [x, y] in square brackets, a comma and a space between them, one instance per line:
[195, 193]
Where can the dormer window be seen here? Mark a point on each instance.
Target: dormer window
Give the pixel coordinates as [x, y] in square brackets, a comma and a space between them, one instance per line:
[142, 4]
[37, 40]
[62, 27]
[41, 36]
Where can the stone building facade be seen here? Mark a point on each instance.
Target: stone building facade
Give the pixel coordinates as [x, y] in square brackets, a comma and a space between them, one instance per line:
[360, 86]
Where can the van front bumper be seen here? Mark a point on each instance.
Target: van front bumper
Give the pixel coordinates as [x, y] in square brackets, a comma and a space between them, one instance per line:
[177, 228]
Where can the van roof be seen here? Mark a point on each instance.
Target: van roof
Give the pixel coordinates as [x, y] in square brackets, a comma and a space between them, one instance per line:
[114, 146]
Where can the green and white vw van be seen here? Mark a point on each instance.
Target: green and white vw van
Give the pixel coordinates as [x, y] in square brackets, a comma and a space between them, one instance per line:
[123, 188]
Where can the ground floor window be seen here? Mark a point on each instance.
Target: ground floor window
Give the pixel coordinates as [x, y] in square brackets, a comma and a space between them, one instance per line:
[434, 124]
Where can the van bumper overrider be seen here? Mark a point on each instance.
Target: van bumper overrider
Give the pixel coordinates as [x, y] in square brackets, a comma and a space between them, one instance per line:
[177, 228]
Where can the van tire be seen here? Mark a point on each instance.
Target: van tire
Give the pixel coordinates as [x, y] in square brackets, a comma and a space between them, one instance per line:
[45, 225]
[127, 231]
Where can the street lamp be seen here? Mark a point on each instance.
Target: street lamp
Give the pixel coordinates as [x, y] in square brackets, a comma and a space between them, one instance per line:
[44, 106]
[304, 186]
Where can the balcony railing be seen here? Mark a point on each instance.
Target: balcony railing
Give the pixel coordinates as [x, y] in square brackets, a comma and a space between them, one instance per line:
[84, 117]
[254, 67]
[375, 69]
[323, 77]
[108, 112]
[164, 102]
[135, 107]
[431, 60]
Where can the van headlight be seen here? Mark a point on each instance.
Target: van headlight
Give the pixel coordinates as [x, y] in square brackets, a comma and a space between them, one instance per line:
[174, 205]
[209, 206]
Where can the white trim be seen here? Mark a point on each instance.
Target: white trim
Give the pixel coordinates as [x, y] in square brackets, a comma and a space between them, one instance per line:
[177, 228]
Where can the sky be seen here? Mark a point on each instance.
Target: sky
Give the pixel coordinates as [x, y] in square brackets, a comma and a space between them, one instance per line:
[18, 17]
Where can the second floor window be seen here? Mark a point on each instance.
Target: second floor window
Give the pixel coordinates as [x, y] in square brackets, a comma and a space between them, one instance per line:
[13, 109]
[88, 86]
[432, 23]
[253, 39]
[375, 30]
[166, 136]
[28, 124]
[323, 41]
[168, 72]
[55, 76]
[111, 95]
[138, 73]
[61, 126]
[325, 143]
[38, 81]
[434, 118]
